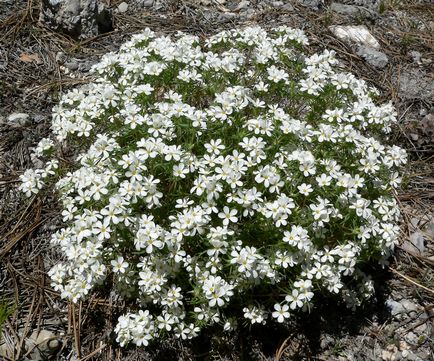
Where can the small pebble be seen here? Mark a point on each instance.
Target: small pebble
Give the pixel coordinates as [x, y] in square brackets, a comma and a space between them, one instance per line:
[122, 7]
[72, 65]
[18, 119]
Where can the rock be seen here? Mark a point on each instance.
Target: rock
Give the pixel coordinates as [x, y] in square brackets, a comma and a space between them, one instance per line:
[373, 57]
[79, 19]
[38, 118]
[416, 56]
[122, 7]
[248, 13]
[60, 57]
[352, 10]
[411, 338]
[148, 3]
[40, 345]
[415, 243]
[313, 4]
[358, 34]
[37, 163]
[397, 308]
[413, 84]
[227, 16]
[85, 66]
[282, 5]
[72, 65]
[409, 306]
[244, 4]
[18, 119]
[43, 344]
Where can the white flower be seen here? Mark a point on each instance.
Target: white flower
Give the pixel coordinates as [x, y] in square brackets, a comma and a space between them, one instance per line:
[305, 189]
[228, 215]
[119, 265]
[281, 312]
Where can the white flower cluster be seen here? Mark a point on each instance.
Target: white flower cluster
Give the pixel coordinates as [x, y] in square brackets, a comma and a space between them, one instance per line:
[212, 172]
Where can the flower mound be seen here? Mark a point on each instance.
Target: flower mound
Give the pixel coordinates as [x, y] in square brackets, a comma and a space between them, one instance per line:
[211, 172]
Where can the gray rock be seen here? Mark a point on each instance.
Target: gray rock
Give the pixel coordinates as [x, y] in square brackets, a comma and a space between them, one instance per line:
[60, 57]
[409, 306]
[72, 65]
[415, 84]
[85, 66]
[282, 5]
[148, 3]
[37, 163]
[244, 4]
[404, 306]
[227, 16]
[371, 4]
[411, 338]
[416, 56]
[38, 118]
[415, 243]
[18, 119]
[287, 7]
[248, 13]
[374, 57]
[79, 19]
[313, 4]
[352, 10]
[122, 7]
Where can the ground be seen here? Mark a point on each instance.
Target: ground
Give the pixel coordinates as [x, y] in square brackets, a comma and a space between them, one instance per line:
[37, 65]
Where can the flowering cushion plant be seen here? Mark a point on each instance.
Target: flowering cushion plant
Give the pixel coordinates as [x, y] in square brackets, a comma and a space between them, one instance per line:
[213, 171]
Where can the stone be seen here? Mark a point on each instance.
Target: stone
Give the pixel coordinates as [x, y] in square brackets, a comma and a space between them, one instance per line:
[416, 56]
[282, 5]
[37, 163]
[373, 57]
[18, 119]
[313, 4]
[411, 338]
[227, 16]
[352, 10]
[72, 65]
[79, 19]
[358, 34]
[415, 243]
[60, 57]
[244, 4]
[85, 66]
[148, 3]
[397, 308]
[414, 83]
[122, 7]
[43, 344]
